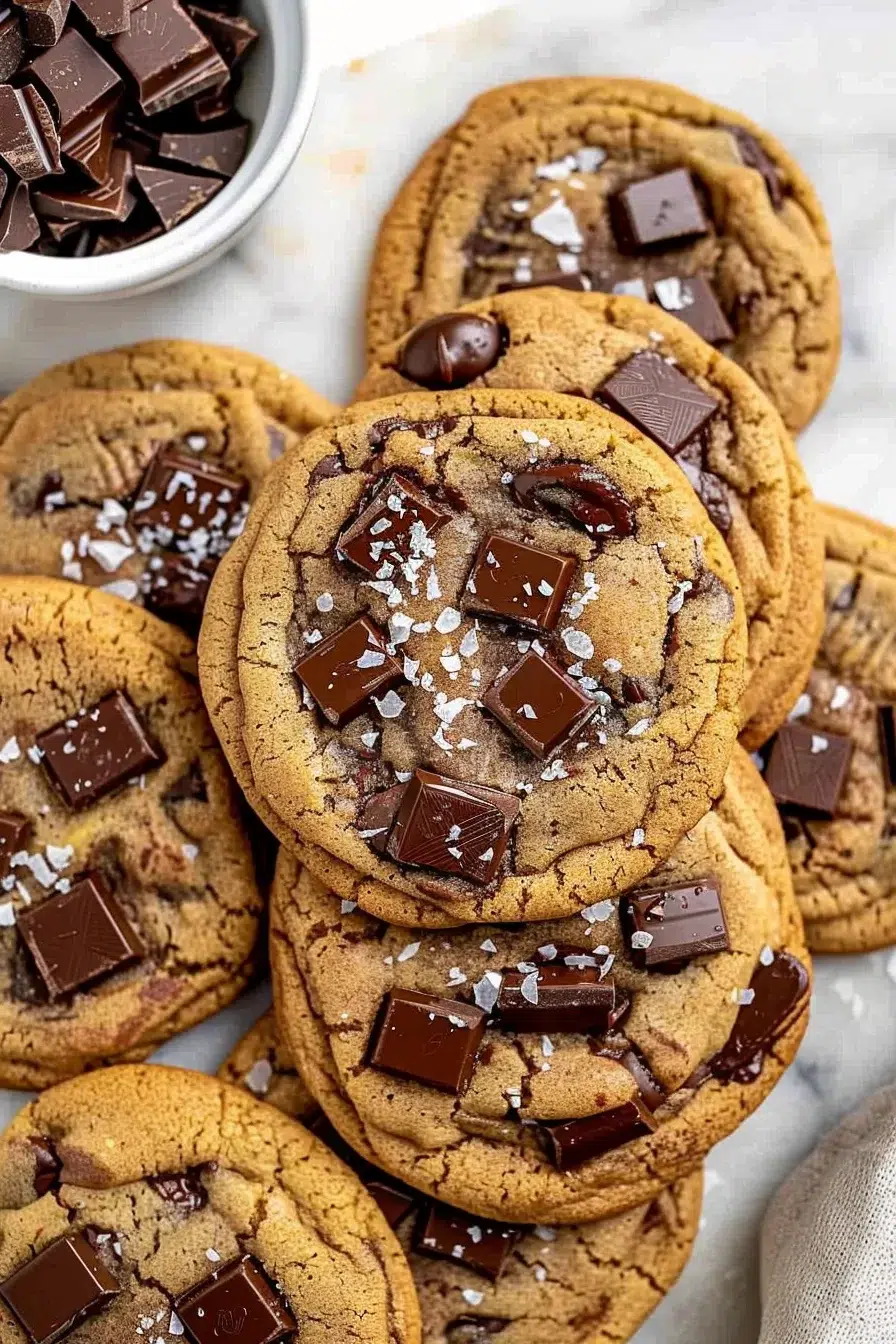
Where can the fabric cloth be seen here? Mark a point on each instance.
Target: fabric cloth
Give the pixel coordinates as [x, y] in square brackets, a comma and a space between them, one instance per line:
[828, 1253]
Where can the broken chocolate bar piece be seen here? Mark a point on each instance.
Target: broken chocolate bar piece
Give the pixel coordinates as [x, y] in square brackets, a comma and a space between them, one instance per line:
[19, 227]
[14, 829]
[518, 581]
[428, 1039]
[539, 704]
[44, 20]
[658, 399]
[576, 1141]
[671, 925]
[60, 1287]
[658, 211]
[113, 201]
[887, 718]
[398, 524]
[239, 1301]
[168, 57]
[233, 35]
[179, 494]
[79, 936]
[693, 300]
[448, 1234]
[175, 196]
[85, 90]
[98, 750]
[807, 770]
[458, 829]
[29, 141]
[556, 999]
[342, 672]
[219, 152]
[12, 44]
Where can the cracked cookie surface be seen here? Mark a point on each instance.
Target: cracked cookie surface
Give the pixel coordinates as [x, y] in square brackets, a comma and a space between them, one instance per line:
[683, 1048]
[647, 652]
[590, 1283]
[169, 366]
[742, 461]
[139, 493]
[168, 921]
[844, 865]
[524, 188]
[205, 1175]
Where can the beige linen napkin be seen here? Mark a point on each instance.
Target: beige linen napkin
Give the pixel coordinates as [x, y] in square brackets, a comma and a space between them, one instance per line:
[828, 1255]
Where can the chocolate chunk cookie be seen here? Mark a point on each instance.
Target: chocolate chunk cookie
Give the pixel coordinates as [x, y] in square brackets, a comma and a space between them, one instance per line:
[650, 368]
[480, 651]
[591, 1283]
[139, 493]
[564, 1072]
[172, 366]
[129, 909]
[624, 186]
[156, 1203]
[832, 767]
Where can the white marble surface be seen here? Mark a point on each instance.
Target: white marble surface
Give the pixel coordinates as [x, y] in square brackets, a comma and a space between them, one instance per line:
[817, 72]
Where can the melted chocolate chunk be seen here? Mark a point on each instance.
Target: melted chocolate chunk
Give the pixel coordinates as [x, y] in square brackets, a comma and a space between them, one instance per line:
[658, 399]
[448, 1234]
[807, 769]
[167, 56]
[556, 999]
[179, 495]
[520, 582]
[79, 936]
[63, 1285]
[475, 1329]
[428, 1039]
[887, 720]
[236, 1301]
[85, 90]
[451, 350]
[671, 925]
[658, 211]
[578, 492]
[692, 299]
[95, 752]
[397, 525]
[29, 141]
[779, 987]
[345, 670]
[377, 816]
[577, 1141]
[460, 829]
[182, 1189]
[652, 1093]
[539, 704]
[754, 156]
[14, 830]
[47, 1166]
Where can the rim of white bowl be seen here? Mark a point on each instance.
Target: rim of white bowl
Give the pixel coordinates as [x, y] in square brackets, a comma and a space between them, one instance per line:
[210, 231]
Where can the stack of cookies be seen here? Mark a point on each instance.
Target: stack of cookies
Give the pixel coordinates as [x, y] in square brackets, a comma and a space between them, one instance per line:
[522, 660]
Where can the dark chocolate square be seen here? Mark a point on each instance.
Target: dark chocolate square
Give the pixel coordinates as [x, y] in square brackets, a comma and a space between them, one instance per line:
[97, 750]
[523, 583]
[345, 670]
[658, 399]
[79, 936]
[460, 829]
[64, 1284]
[168, 57]
[556, 999]
[84, 89]
[237, 1301]
[660, 210]
[14, 829]
[576, 1141]
[448, 1234]
[428, 1039]
[693, 300]
[178, 495]
[807, 769]
[393, 1200]
[397, 525]
[539, 704]
[675, 923]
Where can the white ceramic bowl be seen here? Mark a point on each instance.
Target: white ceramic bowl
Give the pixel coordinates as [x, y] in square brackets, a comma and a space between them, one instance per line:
[278, 97]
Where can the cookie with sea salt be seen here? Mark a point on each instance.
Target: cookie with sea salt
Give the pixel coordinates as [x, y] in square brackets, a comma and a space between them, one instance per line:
[564, 1071]
[478, 652]
[591, 1283]
[625, 186]
[143, 1202]
[288, 404]
[657, 372]
[832, 767]
[138, 493]
[129, 908]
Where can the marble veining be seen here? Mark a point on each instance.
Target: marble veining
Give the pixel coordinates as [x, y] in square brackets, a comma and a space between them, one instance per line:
[817, 72]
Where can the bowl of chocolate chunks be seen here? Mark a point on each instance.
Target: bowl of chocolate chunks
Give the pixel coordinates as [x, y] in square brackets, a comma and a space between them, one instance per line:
[140, 138]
